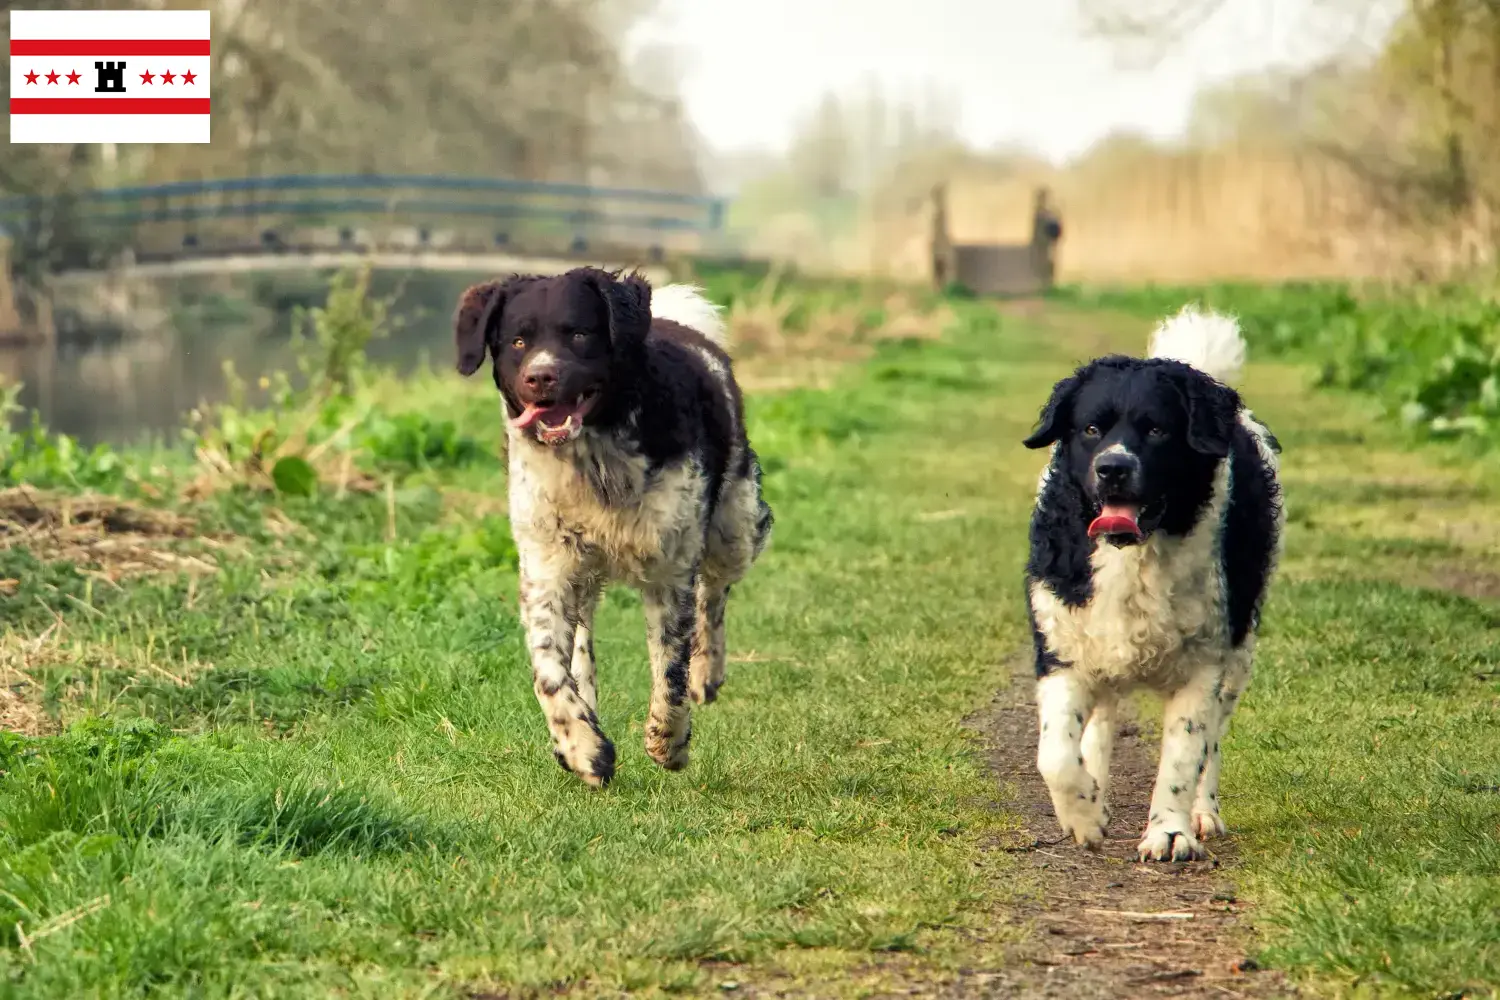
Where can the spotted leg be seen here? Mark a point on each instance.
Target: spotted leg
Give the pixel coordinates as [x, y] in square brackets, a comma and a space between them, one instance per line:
[671, 613]
[1190, 712]
[1064, 701]
[578, 743]
[706, 670]
[1207, 822]
[1099, 744]
[581, 610]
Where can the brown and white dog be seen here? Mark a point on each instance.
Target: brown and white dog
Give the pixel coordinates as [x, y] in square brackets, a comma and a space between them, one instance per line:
[628, 462]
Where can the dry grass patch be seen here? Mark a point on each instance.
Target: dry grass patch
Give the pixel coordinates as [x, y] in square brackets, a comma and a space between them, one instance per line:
[106, 538]
[21, 709]
[107, 535]
[24, 659]
[783, 337]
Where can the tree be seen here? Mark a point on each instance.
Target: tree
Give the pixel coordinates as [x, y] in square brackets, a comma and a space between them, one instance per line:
[536, 89]
[1419, 117]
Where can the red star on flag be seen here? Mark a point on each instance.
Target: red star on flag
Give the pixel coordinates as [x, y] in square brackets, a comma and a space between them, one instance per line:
[147, 76]
[168, 77]
[52, 77]
[31, 77]
[73, 77]
[189, 77]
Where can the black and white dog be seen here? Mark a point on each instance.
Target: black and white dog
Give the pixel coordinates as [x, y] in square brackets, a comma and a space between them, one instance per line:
[628, 461]
[1157, 527]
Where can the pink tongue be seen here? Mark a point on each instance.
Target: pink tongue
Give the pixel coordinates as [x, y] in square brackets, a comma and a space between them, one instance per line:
[531, 415]
[1116, 519]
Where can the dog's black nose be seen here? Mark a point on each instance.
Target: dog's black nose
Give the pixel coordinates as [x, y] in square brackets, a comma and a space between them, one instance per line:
[541, 378]
[1115, 469]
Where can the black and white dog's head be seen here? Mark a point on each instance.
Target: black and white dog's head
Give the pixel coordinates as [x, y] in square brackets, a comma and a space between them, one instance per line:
[567, 349]
[1140, 440]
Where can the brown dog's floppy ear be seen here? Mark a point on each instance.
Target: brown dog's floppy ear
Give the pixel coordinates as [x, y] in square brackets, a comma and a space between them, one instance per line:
[478, 308]
[628, 302]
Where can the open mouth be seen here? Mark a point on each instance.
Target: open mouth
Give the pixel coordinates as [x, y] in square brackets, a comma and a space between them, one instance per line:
[1118, 521]
[556, 422]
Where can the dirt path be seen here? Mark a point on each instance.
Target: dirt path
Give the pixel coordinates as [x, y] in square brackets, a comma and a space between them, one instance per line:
[1088, 924]
[1085, 941]
[1091, 924]
[1090, 940]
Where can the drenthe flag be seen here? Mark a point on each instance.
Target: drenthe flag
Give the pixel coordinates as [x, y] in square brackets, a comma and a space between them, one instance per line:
[90, 76]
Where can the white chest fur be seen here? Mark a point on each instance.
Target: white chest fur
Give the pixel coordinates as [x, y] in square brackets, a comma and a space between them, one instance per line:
[1155, 606]
[630, 523]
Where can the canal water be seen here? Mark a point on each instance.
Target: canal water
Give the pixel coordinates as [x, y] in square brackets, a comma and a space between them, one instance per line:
[122, 382]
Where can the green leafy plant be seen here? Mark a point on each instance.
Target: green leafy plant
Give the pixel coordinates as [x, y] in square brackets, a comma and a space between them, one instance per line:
[310, 428]
[331, 340]
[35, 456]
[411, 441]
[294, 476]
[1431, 353]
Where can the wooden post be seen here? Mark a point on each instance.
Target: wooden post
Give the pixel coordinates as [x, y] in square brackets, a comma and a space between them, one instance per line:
[942, 243]
[1046, 230]
[10, 319]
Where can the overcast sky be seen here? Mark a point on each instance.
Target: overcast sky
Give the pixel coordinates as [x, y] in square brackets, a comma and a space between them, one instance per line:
[1022, 70]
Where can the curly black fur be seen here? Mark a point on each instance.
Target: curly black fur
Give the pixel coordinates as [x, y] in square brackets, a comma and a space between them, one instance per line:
[1180, 424]
[1248, 545]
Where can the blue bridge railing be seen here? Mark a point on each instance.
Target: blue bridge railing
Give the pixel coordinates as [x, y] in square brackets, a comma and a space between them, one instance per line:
[367, 211]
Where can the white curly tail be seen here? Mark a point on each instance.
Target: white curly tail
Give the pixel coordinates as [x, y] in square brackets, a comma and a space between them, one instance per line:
[1211, 342]
[686, 304]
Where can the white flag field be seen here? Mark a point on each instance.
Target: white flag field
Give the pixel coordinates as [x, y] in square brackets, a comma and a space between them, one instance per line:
[92, 76]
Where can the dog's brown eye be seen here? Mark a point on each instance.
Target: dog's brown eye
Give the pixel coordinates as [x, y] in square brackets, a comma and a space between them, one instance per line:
[1156, 434]
[519, 342]
[580, 335]
[1091, 431]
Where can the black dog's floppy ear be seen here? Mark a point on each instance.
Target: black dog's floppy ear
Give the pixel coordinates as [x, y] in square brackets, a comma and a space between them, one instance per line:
[627, 300]
[1212, 410]
[478, 308]
[1051, 425]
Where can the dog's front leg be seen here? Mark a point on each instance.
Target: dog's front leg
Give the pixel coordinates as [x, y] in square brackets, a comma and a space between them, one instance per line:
[548, 591]
[1191, 716]
[1064, 702]
[582, 603]
[706, 671]
[1099, 742]
[671, 619]
[1206, 819]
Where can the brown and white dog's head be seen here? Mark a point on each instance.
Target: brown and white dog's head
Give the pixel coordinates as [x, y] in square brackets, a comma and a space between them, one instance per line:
[566, 348]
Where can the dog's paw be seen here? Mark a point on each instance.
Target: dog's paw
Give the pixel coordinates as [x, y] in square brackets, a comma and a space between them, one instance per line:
[1168, 843]
[596, 770]
[1084, 818]
[706, 693]
[1207, 824]
[668, 749]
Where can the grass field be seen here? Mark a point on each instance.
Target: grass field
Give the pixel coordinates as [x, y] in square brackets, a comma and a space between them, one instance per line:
[320, 770]
[1430, 354]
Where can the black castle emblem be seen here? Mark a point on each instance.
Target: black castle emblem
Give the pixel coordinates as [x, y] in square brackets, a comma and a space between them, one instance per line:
[111, 77]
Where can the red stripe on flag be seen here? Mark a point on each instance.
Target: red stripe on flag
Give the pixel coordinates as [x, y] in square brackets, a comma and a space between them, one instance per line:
[105, 47]
[109, 105]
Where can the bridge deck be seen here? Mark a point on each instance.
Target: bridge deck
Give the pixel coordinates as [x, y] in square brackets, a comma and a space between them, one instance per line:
[333, 259]
[411, 221]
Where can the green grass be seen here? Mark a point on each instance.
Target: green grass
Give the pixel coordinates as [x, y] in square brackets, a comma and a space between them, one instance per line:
[322, 770]
[1363, 773]
[324, 767]
[1367, 781]
[1431, 354]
